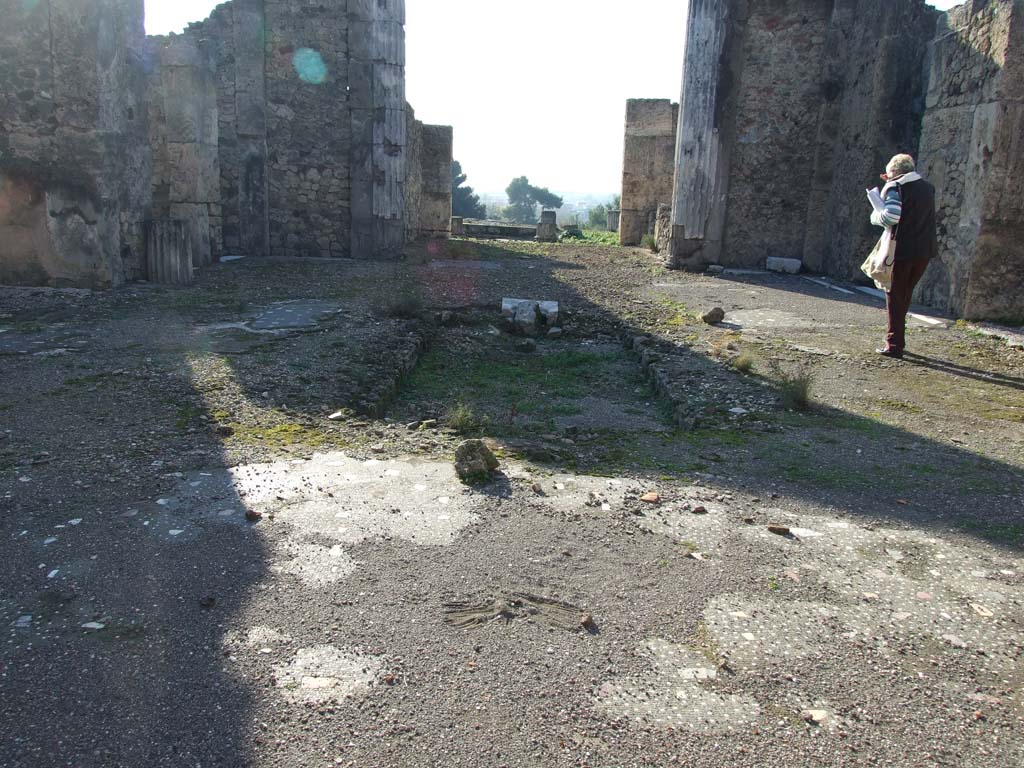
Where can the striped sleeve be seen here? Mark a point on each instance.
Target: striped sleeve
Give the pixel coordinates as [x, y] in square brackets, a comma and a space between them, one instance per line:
[890, 217]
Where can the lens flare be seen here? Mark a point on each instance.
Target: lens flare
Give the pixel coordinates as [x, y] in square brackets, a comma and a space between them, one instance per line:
[310, 66]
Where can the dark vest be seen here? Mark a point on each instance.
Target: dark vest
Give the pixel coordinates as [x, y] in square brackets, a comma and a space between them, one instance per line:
[916, 238]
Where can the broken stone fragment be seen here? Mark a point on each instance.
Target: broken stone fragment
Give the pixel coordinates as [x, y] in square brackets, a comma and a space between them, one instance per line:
[713, 316]
[779, 530]
[815, 716]
[527, 346]
[527, 316]
[474, 462]
[526, 319]
[651, 498]
[223, 430]
[253, 515]
[699, 510]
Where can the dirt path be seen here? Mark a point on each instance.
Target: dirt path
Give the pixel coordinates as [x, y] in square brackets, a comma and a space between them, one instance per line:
[234, 535]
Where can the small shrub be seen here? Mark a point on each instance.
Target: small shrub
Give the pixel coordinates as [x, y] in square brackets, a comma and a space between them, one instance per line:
[794, 387]
[464, 420]
[650, 243]
[407, 305]
[743, 362]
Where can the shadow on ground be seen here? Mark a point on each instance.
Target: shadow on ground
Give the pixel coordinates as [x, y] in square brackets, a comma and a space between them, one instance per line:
[121, 596]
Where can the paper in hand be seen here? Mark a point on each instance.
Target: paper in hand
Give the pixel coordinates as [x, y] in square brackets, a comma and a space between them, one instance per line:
[875, 198]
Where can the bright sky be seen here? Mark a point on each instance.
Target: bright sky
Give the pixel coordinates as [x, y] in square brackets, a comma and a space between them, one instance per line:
[532, 87]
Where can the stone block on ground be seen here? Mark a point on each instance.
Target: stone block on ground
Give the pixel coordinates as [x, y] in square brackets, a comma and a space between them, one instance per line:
[713, 316]
[787, 266]
[528, 316]
[474, 462]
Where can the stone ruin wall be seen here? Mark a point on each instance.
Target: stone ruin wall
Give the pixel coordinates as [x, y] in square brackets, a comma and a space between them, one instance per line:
[316, 152]
[648, 165]
[273, 128]
[789, 109]
[872, 84]
[74, 152]
[786, 107]
[972, 149]
[182, 116]
[777, 101]
[428, 187]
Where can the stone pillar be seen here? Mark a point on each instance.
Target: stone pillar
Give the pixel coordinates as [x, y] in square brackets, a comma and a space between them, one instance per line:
[613, 220]
[251, 119]
[376, 44]
[169, 252]
[702, 157]
[648, 165]
[663, 227]
[458, 226]
[434, 213]
[183, 136]
[547, 229]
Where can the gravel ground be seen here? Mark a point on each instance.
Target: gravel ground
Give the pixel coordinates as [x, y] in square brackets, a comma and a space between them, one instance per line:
[234, 535]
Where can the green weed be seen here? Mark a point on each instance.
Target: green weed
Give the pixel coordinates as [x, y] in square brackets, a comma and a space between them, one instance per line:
[464, 420]
[743, 362]
[794, 387]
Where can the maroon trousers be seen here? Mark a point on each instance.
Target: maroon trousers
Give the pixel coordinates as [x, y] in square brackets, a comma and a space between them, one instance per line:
[905, 277]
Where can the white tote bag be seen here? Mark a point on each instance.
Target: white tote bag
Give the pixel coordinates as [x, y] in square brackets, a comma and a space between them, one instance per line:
[878, 265]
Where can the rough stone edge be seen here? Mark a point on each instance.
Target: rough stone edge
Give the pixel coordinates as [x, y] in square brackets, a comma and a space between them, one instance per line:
[642, 349]
[1014, 337]
[384, 395]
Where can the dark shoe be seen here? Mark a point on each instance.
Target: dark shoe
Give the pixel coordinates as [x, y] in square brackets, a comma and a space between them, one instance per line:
[890, 353]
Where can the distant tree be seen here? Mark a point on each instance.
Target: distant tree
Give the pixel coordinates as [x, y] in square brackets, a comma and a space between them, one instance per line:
[616, 203]
[464, 202]
[523, 199]
[597, 217]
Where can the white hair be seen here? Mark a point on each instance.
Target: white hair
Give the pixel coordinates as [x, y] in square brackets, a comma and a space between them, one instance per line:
[900, 164]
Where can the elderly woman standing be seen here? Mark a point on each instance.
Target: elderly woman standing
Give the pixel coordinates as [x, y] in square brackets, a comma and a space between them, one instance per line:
[910, 209]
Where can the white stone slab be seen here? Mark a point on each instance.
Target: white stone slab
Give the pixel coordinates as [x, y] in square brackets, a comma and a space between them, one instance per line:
[788, 266]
